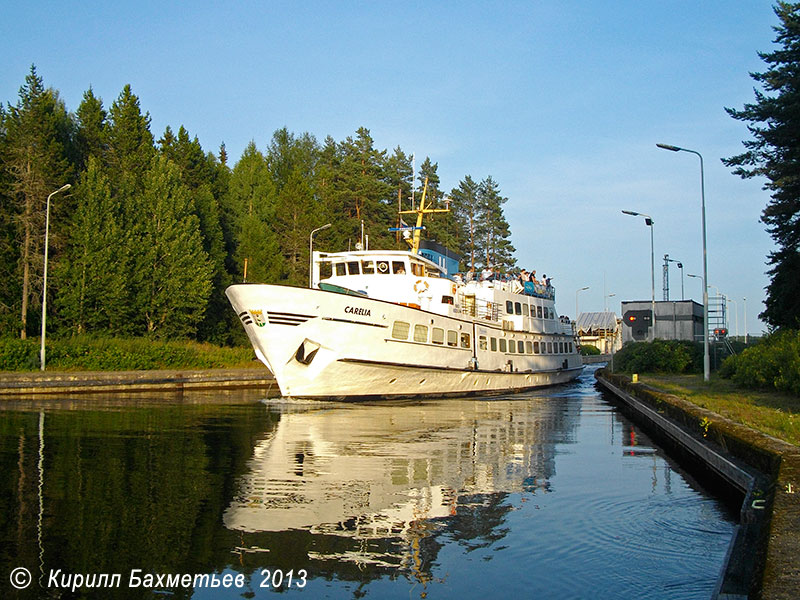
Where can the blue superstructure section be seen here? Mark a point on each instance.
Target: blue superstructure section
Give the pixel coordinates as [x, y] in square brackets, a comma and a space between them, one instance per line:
[444, 257]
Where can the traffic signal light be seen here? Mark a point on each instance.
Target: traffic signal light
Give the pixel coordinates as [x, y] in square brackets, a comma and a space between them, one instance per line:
[639, 321]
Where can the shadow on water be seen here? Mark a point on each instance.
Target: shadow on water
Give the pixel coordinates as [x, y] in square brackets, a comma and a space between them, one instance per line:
[549, 494]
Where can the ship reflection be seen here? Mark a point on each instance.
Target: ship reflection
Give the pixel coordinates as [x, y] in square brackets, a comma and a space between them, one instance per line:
[385, 486]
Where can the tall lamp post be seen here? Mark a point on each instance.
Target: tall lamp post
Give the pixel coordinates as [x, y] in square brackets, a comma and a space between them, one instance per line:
[648, 220]
[44, 283]
[311, 252]
[576, 302]
[605, 304]
[745, 321]
[706, 357]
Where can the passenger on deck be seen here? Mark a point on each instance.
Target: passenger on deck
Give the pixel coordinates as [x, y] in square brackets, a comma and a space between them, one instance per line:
[471, 274]
[533, 277]
[486, 274]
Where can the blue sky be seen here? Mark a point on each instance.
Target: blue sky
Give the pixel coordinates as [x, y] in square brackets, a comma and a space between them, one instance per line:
[561, 102]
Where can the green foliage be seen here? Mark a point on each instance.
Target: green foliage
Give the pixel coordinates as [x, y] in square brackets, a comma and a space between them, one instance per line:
[86, 353]
[772, 364]
[590, 350]
[659, 356]
[151, 234]
[774, 122]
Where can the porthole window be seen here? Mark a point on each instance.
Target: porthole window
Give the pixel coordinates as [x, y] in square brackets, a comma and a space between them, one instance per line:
[437, 336]
[549, 347]
[503, 345]
[420, 333]
[528, 349]
[536, 347]
[493, 344]
[400, 330]
[520, 347]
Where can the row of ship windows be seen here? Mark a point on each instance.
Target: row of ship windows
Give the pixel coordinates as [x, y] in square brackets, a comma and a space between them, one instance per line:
[401, 330]
[519, 308]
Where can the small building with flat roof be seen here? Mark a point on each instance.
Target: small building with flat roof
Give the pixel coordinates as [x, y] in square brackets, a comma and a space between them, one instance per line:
[601, 330]
[675, 320]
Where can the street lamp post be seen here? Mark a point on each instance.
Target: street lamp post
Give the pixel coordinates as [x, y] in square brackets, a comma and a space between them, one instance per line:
[736, 313]
[648, 220]
[605, 304]
[706, 357]
[311, 253]
[745, 321]
[576, 301]
[44, 282]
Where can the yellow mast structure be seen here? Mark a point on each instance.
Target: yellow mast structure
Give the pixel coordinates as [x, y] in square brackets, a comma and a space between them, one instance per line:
[420, 212]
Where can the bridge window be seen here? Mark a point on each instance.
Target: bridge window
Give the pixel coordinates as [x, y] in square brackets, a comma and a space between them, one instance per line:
[353, 268]
[367, 267]
[400, 330]
[417, 269]
[341, 269]
[398, 267]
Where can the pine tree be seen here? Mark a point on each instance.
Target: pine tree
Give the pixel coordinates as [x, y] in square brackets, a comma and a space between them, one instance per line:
[171, 271]
[493, 228]
[130, 146]
[774, 153]
[250, 207]
[440, 227]
[92, 134]
[38, 136]
[466, 208]
[93, 277]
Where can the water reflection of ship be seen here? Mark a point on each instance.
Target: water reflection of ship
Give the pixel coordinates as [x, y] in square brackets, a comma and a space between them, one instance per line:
[388, 477]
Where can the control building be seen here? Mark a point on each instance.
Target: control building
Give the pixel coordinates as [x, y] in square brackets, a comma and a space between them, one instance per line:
[675, 320]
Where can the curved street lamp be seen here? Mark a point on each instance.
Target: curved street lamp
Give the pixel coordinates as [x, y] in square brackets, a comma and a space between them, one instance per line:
[706, 357]
[44, 283]
[576, 302]
[311, 253]
[648, 220]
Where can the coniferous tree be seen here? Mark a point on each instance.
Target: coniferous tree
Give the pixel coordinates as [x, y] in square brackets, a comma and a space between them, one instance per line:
[91, 134]
[440, 227]
[493, 228]
[92, 279]
[130, 147]
[774, 153]
[37, 135]
[251, 204]
[399, 175]
[171, 271]
[466, 208]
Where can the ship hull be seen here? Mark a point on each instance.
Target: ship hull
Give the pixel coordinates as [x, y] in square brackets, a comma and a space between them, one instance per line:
[321, 344]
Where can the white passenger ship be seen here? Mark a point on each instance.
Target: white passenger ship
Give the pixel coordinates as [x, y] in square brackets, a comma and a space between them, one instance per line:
[392, 324]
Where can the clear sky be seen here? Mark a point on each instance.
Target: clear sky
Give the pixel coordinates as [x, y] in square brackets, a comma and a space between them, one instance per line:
[561, 102]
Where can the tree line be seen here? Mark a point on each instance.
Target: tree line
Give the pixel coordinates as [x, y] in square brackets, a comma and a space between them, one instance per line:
[153, 231]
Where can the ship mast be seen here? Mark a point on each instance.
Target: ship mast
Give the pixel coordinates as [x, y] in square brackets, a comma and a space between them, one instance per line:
[420, 212]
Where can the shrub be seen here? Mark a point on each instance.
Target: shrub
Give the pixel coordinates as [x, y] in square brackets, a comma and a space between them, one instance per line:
[86, 353]
[772, 364]
[590, 351]
[660, 356]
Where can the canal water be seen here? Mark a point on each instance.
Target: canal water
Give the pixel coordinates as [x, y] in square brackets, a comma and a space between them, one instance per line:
[550, 494]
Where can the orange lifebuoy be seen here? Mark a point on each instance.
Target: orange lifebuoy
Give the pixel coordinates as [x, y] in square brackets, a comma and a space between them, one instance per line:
[421, 286]
[454, 289]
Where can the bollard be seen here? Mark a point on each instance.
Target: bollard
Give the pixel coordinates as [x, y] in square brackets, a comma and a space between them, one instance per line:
[635, 378]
